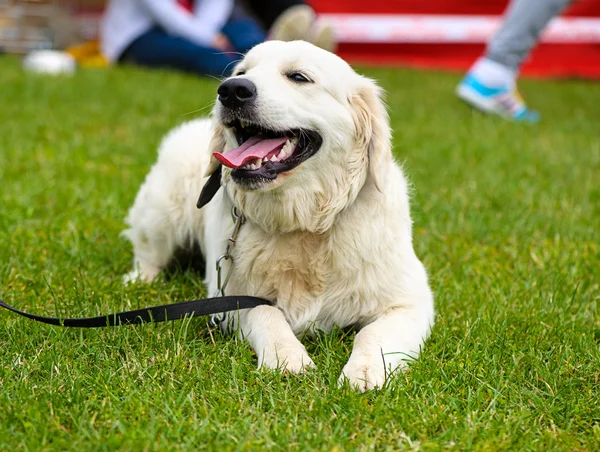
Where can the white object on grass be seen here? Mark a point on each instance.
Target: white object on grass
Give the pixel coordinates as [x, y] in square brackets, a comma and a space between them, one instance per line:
[49, 62]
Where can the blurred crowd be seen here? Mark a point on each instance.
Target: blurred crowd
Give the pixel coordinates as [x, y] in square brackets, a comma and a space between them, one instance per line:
[206, 37]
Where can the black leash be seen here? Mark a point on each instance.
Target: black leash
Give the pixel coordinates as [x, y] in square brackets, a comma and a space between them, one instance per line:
[176, 311]
[155, 314]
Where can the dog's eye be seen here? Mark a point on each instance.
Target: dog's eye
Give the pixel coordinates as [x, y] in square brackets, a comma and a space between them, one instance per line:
[241, 72]
[298, 77]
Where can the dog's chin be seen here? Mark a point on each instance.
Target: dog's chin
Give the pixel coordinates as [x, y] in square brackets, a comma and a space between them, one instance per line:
[268, 173]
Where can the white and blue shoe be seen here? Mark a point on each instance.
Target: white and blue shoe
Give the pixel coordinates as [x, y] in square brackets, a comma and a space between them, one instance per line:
[502, 101]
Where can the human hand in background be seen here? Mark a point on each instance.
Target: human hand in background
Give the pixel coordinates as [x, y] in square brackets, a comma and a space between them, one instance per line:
[222, 42]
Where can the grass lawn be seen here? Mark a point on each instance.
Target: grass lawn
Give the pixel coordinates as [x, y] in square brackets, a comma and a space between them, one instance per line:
[507, 220]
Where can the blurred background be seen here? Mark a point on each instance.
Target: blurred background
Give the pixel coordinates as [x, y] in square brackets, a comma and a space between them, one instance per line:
[506, 220]
[438, 34]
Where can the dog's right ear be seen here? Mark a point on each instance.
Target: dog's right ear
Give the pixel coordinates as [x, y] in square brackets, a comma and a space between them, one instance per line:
[217, 144]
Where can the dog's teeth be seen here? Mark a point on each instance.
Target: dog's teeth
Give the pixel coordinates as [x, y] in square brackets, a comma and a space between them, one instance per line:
[258, 162]
[288, 147]
[285, 152]
[273, 158]
[265, 160]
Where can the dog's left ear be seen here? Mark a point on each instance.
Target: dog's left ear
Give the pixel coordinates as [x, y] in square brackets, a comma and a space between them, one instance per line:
[216, 144]
[372, 127]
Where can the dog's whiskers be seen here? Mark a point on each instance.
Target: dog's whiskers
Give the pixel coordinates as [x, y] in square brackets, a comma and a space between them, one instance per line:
[199, 110]
[218, 79]
[232, 53]
[303, 134]
[233, 62]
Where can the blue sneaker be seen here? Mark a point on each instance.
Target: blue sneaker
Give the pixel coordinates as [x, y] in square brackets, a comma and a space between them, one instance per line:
[501, 101]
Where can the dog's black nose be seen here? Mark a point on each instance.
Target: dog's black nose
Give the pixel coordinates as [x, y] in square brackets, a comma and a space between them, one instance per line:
[236, 92]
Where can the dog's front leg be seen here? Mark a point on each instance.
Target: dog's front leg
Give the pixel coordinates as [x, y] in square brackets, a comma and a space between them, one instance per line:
[386, 345]
[272, 339]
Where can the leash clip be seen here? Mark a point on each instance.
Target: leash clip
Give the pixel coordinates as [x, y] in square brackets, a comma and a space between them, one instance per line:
[239, 219]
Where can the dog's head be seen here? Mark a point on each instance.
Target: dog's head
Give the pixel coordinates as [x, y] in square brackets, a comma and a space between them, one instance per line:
[299, 135]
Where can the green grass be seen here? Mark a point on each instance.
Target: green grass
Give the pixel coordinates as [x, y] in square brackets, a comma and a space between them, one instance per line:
[507, 220]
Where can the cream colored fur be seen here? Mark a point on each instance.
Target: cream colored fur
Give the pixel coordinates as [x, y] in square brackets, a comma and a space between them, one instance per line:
[329, 242]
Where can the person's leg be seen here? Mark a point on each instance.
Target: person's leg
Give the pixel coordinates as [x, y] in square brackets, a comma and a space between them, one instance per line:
[156, 48]
[524, 21]
[243, 33]
[490, 84]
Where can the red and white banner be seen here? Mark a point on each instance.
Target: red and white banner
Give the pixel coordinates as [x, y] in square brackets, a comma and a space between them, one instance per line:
[443, 34]
[432, 28]
[451, 34]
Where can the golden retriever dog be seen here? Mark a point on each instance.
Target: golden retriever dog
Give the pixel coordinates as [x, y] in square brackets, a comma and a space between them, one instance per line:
[303, 145]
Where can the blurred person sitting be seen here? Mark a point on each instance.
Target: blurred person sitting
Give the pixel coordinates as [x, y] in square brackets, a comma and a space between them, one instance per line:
[199, 36]
[203, 36]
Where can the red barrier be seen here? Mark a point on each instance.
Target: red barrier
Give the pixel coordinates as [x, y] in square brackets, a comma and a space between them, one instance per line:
[451, 34]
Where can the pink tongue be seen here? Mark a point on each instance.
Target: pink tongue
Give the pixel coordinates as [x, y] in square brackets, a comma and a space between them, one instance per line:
[254, 148]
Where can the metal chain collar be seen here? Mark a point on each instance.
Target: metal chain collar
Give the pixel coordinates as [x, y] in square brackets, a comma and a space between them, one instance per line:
[222, 283]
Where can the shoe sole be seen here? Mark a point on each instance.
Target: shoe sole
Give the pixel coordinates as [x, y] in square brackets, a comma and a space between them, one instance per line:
[475, 100]
[293, 24]
[323, 36]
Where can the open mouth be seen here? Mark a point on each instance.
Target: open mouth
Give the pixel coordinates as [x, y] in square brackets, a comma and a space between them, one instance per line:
[264, 153]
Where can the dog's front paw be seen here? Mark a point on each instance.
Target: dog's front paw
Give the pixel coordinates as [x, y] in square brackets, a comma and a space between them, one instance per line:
[287, 358]
[141, 273]
[364, 373]
[132, 277]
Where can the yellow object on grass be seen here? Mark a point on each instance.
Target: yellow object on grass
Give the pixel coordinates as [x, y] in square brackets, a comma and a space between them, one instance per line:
[88, 54]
